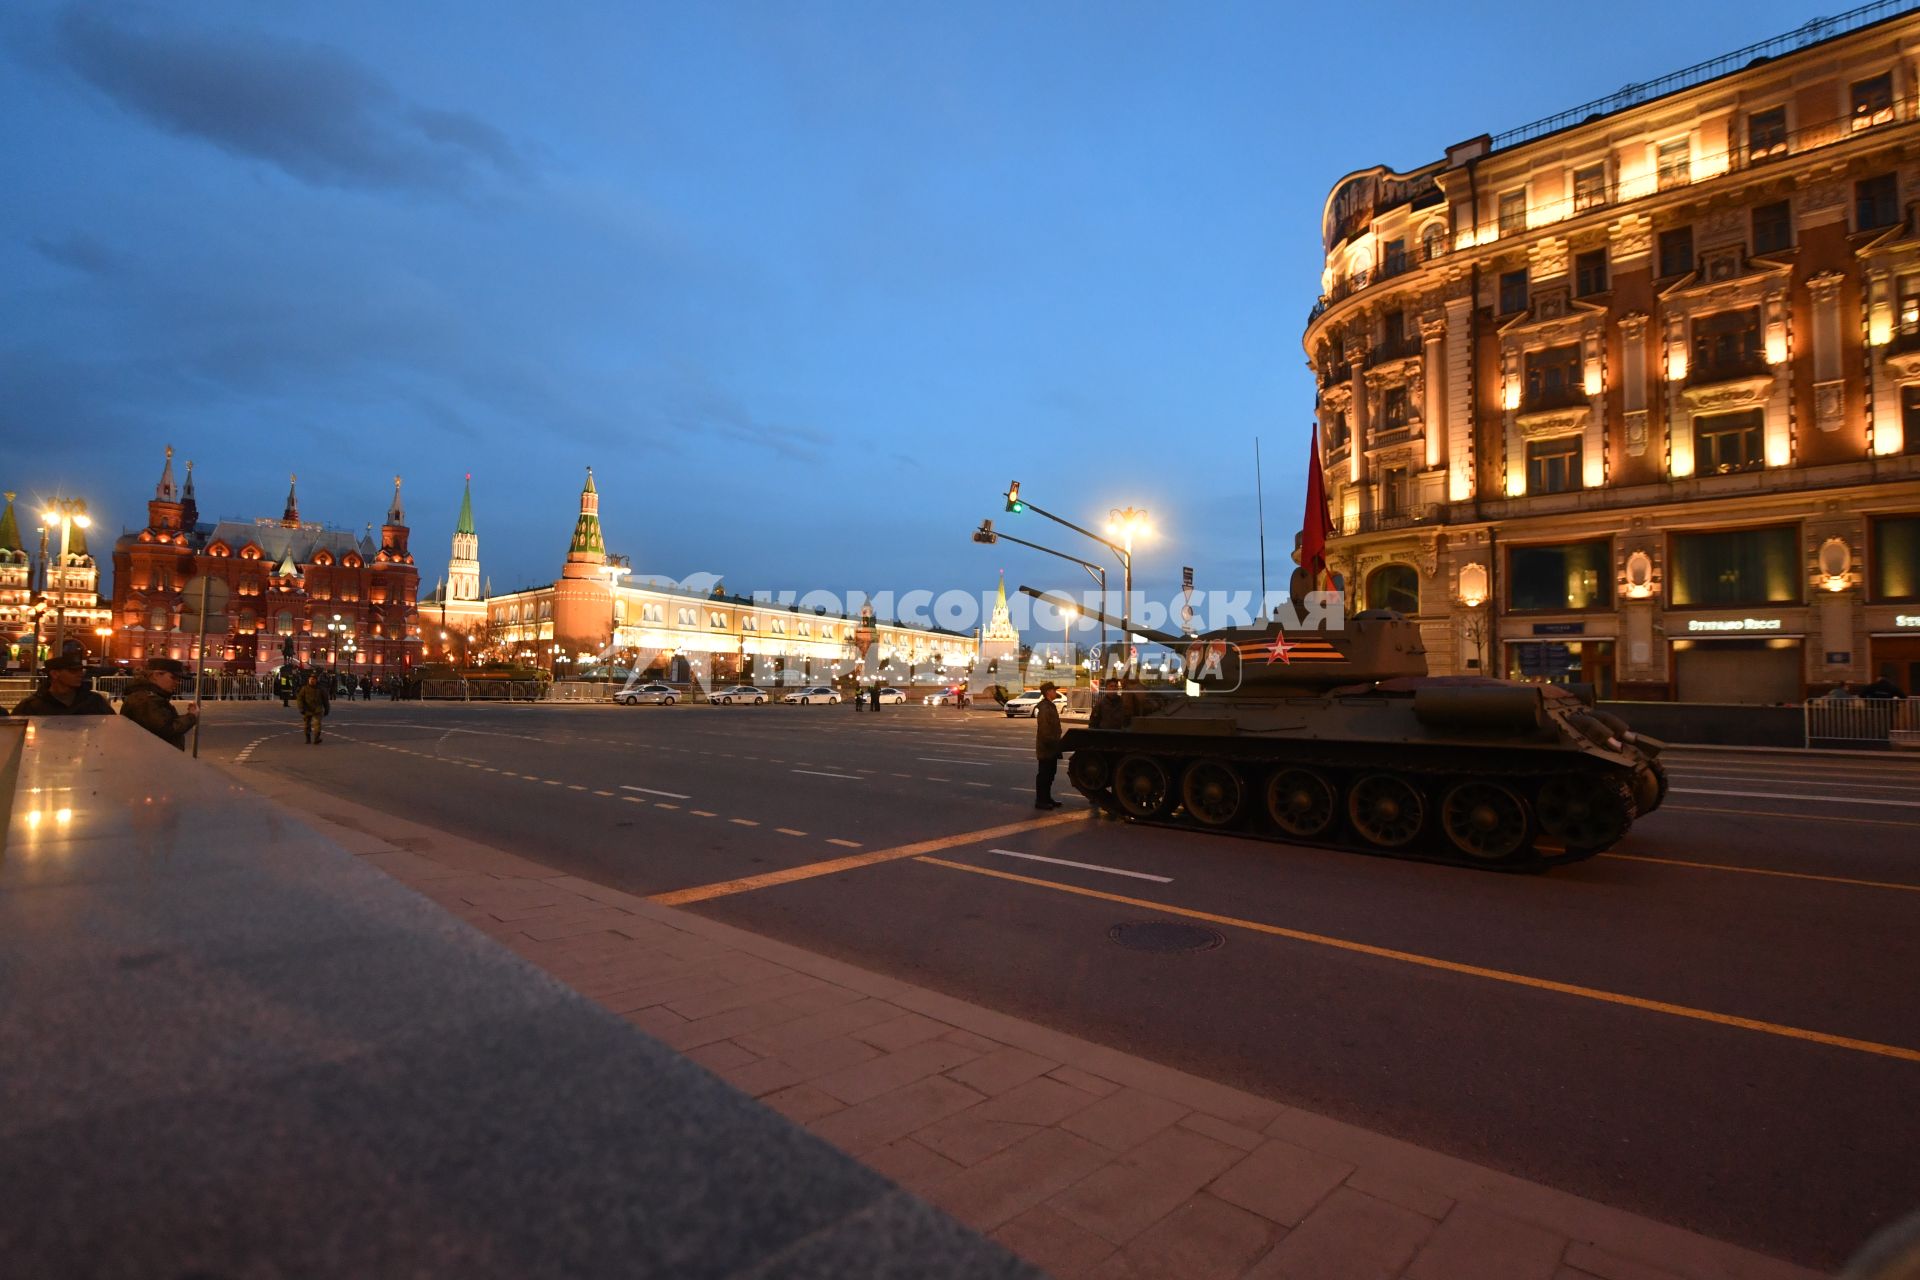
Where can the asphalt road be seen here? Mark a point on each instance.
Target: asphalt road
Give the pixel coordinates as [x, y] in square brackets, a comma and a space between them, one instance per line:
[1717, 1024]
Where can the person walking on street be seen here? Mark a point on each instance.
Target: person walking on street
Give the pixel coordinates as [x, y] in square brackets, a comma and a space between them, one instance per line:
[148, 702]
[313, 707]
[1046, 746]
[366, 688]
[65, 691]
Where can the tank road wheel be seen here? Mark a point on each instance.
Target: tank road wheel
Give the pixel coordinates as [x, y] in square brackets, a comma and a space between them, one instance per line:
[1585, 811]
[1386, 810]
[1090, 771]
[1212, 792]
[1302, 803]
[1486, 821]
[1140, 786]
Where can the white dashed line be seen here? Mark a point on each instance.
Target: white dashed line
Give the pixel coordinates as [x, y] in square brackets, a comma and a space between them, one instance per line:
[1084, 866]
[789, 831]
[671, 795]
[743, 822]
[850, 777]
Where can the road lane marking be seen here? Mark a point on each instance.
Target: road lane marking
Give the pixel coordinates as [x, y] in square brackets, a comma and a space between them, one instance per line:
[1796, 817]
[1084, 866]
[789, 831]
[845, 844]
[1765, 871]
[747, 884]
[743, 822]
[1907, 787]
[978, 764]
[1781, 795]
[633, 799]
[1455, 966]
[817, 773]
[671, 795]
[703, 813]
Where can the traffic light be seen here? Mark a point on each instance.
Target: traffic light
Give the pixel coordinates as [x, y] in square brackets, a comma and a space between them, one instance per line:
[1013, 498]
[985, 532]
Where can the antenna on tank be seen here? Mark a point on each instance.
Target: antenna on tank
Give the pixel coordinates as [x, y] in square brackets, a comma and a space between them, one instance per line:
[1260, 505]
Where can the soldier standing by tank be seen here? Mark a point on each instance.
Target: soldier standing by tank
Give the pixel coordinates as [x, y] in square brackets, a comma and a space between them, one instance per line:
[149, 702]
[313, 707]
[65, 692]
[1046, 747]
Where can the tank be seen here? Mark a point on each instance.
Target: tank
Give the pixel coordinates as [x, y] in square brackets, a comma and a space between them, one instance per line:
[1340, 738]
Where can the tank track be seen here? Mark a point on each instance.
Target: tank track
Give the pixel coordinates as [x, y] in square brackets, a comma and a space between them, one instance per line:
[1432, 773]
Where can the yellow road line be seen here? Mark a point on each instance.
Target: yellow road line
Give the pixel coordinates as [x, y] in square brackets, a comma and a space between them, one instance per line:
[1765, 871]
[1454, 966]
[725, 888]
[1796, 817]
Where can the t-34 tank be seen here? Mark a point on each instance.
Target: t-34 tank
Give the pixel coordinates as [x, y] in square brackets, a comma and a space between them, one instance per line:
[1339, 737]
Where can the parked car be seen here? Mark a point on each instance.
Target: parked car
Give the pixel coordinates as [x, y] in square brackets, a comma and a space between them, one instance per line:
[1025, 704]
[889, 696]
[740, 693]
[663, 694]
[812, 694]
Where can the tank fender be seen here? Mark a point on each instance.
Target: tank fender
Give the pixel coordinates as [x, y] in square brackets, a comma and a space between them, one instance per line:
[1506, 709]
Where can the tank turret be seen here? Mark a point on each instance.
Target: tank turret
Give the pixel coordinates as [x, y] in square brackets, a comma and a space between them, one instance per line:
[1337, 736]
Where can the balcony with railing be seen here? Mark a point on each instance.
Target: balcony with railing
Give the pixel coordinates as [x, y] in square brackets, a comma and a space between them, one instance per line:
[1709, 368]
[1401, 518]
[1399, 348]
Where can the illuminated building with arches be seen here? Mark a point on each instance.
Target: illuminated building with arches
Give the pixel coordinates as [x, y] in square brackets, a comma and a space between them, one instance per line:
[597, 609]
[1631, 395]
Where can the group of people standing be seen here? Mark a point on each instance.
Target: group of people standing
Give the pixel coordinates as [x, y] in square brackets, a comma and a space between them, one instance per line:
[148, 701]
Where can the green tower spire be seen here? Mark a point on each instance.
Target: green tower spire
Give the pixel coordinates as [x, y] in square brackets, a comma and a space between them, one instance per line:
[466, 508]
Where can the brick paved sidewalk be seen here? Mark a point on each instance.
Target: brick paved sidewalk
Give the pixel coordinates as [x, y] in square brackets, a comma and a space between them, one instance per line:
[1086, 1161]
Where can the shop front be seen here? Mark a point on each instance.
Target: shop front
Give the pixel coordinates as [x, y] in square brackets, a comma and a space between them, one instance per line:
[1749, 660]
[1562, 653]
[1894, 655]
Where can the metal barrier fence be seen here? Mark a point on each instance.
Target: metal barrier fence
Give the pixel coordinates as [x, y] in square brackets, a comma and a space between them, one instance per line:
[213, 688]
[1871, 722]
[457, 690]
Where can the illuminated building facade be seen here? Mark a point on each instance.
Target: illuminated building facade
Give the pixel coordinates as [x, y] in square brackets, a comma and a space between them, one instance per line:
[1631, 395]
[325, 596]
[594, 609]
[66, 603]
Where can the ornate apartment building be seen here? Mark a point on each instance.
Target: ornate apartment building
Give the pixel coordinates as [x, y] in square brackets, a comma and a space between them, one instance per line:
[1631, 395]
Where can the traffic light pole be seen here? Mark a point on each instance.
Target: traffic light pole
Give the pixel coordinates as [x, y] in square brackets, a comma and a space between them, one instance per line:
[987, 533]
[1017, 504]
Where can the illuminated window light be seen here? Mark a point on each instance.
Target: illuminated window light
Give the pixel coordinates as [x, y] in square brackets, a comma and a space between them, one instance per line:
[1676, 363]
[1516, 482]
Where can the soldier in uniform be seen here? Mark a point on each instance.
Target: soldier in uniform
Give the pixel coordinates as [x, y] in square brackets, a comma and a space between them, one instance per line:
[65, 692]
[314, 706]
[1046, 747]
[149, 702]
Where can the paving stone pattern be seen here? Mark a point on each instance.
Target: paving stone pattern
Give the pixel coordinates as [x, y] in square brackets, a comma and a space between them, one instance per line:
[1083, 1160]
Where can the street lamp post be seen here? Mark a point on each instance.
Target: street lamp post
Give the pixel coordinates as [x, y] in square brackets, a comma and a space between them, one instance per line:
[106, 635]
[988, 534]
[1123, 524]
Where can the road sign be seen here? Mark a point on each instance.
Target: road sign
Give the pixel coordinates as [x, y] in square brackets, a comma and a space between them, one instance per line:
[214, 592]
[1186, 579]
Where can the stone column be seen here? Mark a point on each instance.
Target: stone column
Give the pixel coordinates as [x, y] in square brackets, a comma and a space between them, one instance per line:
[1829, 382]
[1358, 435]
[1433, 331]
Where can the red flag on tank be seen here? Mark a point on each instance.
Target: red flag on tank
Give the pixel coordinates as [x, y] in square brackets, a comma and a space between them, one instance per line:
[1317, 525]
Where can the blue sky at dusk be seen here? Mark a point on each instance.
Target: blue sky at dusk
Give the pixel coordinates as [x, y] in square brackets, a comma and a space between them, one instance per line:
[806, 283]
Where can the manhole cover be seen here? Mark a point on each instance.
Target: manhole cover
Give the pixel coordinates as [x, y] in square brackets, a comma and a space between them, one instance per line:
[1164, 936]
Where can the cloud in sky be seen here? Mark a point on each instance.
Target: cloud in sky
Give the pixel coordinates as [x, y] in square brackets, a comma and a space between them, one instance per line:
[306, 108]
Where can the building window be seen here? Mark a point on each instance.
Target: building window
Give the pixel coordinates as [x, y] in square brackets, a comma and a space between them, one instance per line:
[1876, 203]
[1589, 187]
[1395, 408]
[1873, 101]
[1590, 273]
[1910, 418]
[1727, 344]
[1394, 586]
[1676, 251]
[1735, 568]
[1393, 491]
[1336, 429]
[1513, 212]
[1895, 548]
[1727, 442]
[1393, 258]
[1554, 378]
[1674, 164]
[1513, 291]
[1433, 242]
[1553, 466]
[1773, 227]
[1396, 330]
[1767, 133]
[1570, 575]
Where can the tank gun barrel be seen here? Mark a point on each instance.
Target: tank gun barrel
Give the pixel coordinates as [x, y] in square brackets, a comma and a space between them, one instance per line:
[1062, 602]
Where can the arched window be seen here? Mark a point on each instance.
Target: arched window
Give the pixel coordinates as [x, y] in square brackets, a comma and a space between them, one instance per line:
[283, 622]
[157, 619]
[1394, 586]
[1433, 242]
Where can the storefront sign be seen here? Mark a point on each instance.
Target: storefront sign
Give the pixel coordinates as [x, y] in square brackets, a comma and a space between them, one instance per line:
[1559, 628]
[1906, 619]
[1697, 625]
[1839, 658]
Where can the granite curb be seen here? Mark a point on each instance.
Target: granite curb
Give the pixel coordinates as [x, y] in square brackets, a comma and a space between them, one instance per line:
[1083, 1159]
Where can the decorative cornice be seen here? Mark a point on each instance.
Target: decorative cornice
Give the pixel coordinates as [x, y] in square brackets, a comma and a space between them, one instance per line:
[1733, 394]
[1536, 424]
